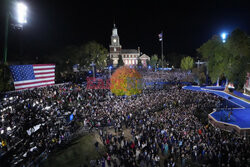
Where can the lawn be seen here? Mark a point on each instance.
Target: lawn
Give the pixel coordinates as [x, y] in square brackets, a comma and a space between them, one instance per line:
[79, 153]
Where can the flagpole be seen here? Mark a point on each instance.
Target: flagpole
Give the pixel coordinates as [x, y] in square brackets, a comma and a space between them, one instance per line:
[162, 51]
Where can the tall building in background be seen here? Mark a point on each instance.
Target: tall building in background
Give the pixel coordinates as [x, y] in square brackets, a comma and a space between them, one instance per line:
[130, 56]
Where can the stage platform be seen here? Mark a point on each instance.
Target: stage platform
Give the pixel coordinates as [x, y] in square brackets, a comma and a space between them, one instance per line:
[239, 119]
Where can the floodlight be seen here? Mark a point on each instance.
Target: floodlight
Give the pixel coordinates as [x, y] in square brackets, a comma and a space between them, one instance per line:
[21, 10]
[224, 37]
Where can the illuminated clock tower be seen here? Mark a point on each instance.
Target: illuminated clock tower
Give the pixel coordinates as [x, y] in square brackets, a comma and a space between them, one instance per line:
[115, 47]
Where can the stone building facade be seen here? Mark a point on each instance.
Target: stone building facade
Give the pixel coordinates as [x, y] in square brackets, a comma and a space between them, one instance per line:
[130, 57]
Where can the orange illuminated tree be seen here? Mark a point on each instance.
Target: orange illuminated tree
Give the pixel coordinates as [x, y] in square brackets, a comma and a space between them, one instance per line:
[126, 81]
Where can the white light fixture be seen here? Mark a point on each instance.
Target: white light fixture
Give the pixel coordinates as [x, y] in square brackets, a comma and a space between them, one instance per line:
[21, 10]
[223, 37]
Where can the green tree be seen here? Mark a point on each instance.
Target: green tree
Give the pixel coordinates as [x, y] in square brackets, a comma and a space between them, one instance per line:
[213, 52]
[139, 64]
[147, 62]
[1, 79]
[160, 63]
[199, 74]
[120, 61]
[228, 59]
[64, 60]
[93, 52]
[5, 81]
[109, 61]
[153, 60]
[175, 59]
[187, 63]
[83, 55]
[70, 56]
[238, 58]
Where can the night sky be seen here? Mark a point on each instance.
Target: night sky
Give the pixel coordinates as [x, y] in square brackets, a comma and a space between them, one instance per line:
[53, 25]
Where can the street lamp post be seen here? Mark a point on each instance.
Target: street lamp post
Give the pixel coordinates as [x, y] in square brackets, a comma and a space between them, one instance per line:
[162, 52]
[110, 67]
[223, 38]
[21, 18]
[93, 68]
[161, 40]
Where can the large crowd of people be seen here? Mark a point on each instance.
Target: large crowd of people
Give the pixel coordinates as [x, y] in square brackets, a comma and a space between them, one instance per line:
[175, 134]
[36, 120]
[162, 123]
[166, 76]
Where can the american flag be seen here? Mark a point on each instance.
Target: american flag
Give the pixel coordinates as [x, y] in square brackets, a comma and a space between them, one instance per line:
[31, 76]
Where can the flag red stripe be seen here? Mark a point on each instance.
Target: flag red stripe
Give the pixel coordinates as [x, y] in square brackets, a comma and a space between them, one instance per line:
[36, 65]
[33, 82]
[35, 86]
[44, 73]
[44, 77]
[44, 69]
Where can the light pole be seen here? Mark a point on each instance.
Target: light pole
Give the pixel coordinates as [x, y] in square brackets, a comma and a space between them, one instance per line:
[20, 16]
[223, 38]
[110, 67]
[93, 68]
[6, 33]
[161, 40]
[162, 52]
